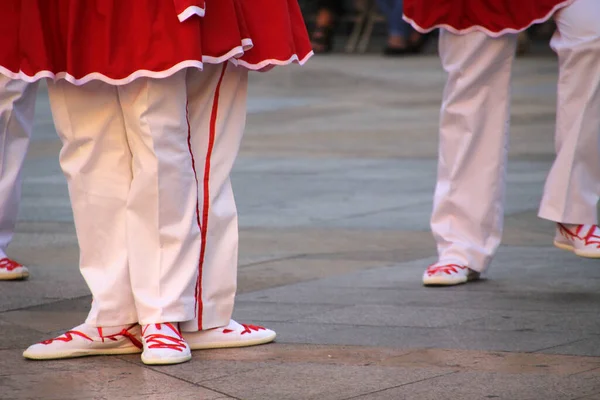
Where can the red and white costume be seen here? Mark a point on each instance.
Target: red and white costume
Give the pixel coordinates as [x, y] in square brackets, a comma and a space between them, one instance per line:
[49, 38]
[150, 103]
[477, 46]
[495, 18]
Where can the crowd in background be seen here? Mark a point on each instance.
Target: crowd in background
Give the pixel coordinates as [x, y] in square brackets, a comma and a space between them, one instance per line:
[402, 39]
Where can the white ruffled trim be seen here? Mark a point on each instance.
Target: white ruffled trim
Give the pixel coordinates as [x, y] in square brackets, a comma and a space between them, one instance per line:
[268, 62]
[247, 44]
[101, 77]
[479, 28]
[230, 55]
[191, 10]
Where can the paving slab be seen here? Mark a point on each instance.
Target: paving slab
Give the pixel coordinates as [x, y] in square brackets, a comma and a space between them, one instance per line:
[589, 346]
[92, 378]
[15, 337]
[483, 385]
[309, 381]
[409, 337]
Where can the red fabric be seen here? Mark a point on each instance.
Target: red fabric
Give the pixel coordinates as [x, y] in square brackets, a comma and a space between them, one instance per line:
[120, 39]
[277, 30]
[493, 16]
[223, 29]
[112, 37]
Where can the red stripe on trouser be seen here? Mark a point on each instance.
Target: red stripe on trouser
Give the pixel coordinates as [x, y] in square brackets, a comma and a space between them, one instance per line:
[189, 141]
[206, 197]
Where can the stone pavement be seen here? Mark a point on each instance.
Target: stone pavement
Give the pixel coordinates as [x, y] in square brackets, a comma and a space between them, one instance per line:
[334, 186]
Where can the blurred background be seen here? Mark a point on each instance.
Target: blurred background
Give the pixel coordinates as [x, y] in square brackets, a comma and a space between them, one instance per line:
[372, 26]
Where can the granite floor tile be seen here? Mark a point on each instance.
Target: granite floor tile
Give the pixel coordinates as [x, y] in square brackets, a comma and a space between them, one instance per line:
[485, 385]
[15, 337]
[94, 378]
[589, 346]
[400, 316]
[416, 338]
[547, 321]
[253, 311]
[52, 317]
[309, 381]
[288, 271]
[500, 362]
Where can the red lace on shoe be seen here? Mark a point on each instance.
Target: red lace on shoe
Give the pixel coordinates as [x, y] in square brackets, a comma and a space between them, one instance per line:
[8, 264]
[250, 328]
[159, 341]
[446, 269]
[67, 337]
[588, 239]
[124, 332]
[247, 329]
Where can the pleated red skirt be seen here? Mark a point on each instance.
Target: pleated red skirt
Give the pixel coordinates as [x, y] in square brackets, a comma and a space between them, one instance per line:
[117, 41]
[494, 17]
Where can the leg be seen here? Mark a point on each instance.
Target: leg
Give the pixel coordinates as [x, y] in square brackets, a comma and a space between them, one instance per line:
[398, 29]
[163, 236]
[573, 185]
[217, 112]
[17, 107]
[468, 205]
[97, 163]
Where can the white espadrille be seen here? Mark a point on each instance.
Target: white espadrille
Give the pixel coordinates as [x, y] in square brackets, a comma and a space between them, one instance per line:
[583, 240]
[232, 335]
[164, 344]
[11, 270]
[448, 275]
[86, 340]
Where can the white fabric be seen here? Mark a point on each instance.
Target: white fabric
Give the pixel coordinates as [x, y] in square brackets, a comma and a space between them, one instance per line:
[133, 190]
[163, 344]
[583, 240]
[86, 340]
[469, 197]
[573, 185]
[217, 95]
[230, 335]
[17, 107]
[468, 202]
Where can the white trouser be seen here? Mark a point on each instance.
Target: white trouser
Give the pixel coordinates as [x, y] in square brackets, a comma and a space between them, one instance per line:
[217, 114]
[468, 211]
[133, 190]
[573, 186]
[17, 107]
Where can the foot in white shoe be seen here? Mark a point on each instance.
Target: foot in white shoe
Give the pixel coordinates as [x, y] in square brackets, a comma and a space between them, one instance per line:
[583, 240]
[163, 344]
[86, 340]
[232, 335]
[448, 275]
[11, 270]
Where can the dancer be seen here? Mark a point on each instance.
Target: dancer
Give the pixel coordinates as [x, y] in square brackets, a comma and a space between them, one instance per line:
[477, 47]
[148, 144]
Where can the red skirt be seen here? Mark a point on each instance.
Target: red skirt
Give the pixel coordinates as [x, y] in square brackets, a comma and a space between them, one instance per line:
[118, 41]
[494, 17]
[278, 34]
